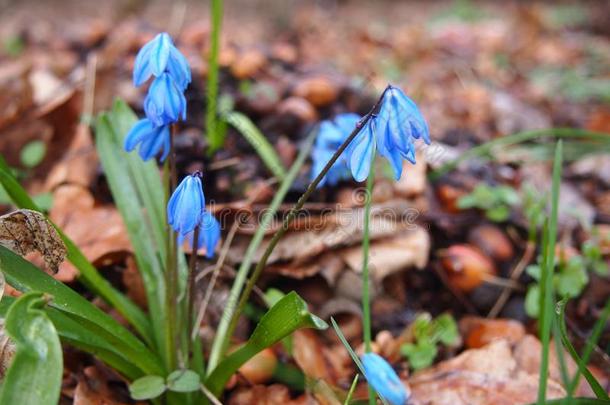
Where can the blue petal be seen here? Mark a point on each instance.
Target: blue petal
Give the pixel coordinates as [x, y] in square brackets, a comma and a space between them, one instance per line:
[361, 150]
[209, 233]
[347, 122]
[159, 54]
[140, 131]
[382, 377]
[164, 103]
[178, 68]
[411, 114]
[142, 67]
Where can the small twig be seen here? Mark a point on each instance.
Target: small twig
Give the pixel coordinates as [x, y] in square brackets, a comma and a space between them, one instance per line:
[528, 254]
[209, 395]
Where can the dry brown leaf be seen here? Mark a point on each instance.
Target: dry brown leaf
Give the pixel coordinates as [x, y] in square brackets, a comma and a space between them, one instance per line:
[97, 230]
[489, 375]
[78, 165]
[26, 231]
[309, 356]
[7, 350]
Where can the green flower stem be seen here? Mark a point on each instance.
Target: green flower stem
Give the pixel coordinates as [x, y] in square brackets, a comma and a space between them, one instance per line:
[366, 243]
[190, 288]
[215, 138]
[230, 317]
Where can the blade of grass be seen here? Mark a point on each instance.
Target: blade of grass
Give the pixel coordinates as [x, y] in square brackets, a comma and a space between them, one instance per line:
[88, 274]
[546, 283]
[351, 352]
[258, 141]
[595, 386]
[596, 334]
[223, 332]
[487, 147]
[352, 388]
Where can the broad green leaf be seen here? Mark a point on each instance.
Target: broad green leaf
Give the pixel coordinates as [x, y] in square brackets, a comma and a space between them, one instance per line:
[138, 193]
[73, 331]
[34, 376]
[24, 276]
[258, 141]
[446, 329]
[183, 381]
[420, 355]
[148, 387]
[532, 301]
[287, 315]
[88, 274]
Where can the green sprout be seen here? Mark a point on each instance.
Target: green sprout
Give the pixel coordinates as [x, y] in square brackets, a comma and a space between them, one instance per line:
[495, 202]
[428, 333]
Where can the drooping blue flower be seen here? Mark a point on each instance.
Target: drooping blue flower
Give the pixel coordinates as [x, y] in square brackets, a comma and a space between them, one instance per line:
[330, 137]
[165, 102]
[150, 138]
[159, 56]
[400, 123]
[382, 377]
[209, 234]
[392, 132]
[186, 205]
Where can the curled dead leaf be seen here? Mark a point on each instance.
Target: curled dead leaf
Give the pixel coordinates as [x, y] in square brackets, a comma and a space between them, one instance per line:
[26, 231]
[7, 349]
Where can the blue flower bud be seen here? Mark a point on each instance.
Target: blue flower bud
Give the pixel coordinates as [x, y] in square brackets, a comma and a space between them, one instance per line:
[382, 377]
[209, 234]
[159, 56]
[150, 138]
[165, 102]
[186, 205]
[330, 137]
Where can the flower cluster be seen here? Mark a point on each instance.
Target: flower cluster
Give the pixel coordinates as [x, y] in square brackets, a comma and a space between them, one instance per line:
[165, 102]
[382, 377]
[392, 131]
[330, 137]
[186, 211]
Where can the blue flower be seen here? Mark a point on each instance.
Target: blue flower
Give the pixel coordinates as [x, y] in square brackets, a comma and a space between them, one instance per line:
[150, 138]
[392, 131]
[382, 377]
[159, 56]
[330, 137]
[209, 234]
[165, 102]
[186, 205]
[400, 123]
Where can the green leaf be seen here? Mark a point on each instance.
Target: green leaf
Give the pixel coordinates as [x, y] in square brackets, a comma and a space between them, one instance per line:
[576, 401]
[24, 276]
[74, 332]
[258, 141]
[446, 330]
[420, 355]
[148, 387]
[138, 193]
[534, 271]
[34, 376]
[532, 301]
[499, 213]
[572, 278]
[44, 201]
[88, 274]
[33, 153]
[287, 315]
[183, 381]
